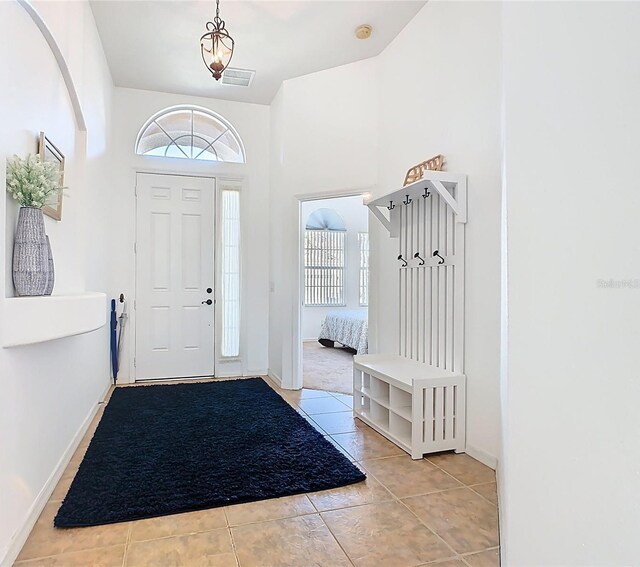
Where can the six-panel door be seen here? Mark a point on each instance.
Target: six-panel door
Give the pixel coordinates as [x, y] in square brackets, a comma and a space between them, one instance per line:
[174, 276]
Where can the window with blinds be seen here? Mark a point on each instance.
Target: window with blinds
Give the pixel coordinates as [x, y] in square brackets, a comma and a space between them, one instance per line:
[324, 267]
[230, 273]
[363, 242]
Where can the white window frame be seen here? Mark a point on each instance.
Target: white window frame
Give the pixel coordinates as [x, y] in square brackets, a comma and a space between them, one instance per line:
[193, 134]
[234, 248]
[318, 295]
[363, 273]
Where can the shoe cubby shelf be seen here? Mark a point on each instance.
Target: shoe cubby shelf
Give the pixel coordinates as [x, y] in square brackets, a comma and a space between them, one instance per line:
[417, 406]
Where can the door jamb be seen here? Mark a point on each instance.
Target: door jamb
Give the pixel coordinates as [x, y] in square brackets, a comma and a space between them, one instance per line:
[131, 311]
[365, 193]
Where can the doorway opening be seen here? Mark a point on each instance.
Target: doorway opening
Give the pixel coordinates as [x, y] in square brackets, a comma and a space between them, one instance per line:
[334, 290]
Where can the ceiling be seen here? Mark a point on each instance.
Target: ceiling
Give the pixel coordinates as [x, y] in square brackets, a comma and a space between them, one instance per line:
[154, 45]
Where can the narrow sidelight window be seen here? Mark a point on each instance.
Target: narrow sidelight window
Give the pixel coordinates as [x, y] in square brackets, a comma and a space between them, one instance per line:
[230, 273]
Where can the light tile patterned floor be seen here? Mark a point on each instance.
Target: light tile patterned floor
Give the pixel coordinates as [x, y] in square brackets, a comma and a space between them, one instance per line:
[439, 511]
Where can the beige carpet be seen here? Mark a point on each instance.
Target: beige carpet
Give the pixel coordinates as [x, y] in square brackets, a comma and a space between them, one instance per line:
[327, 368]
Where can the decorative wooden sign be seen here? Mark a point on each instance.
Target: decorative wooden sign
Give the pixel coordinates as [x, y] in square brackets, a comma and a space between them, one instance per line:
[417, 171]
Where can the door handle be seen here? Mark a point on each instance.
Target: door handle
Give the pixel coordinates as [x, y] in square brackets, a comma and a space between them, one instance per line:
[208, 302]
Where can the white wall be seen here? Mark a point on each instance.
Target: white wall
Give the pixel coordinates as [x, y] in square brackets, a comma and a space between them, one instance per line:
[435, 89]
[324, 140]
[439, 83]
[355, 216]
[49, 390]
[572, 427]
[132, 108]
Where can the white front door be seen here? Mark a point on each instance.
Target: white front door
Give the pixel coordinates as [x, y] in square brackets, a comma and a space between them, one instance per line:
[174, 276]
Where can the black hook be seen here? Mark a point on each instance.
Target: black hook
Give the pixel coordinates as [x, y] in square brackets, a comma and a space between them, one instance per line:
[407, 201]
[417, 255]
[435, 253]
[391, 206]
[404, 262]
[426, 193]
[122, 298]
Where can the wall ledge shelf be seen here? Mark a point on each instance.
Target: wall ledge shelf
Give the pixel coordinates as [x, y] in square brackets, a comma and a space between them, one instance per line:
[31, 320]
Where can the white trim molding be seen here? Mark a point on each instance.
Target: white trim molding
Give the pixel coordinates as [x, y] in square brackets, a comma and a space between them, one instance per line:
[62, 64]
[482, 456]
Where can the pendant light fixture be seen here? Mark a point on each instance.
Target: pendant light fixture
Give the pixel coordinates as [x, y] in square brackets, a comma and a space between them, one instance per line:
[216, 46]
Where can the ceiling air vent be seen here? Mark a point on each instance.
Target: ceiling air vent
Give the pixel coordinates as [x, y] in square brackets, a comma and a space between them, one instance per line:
[237, 77]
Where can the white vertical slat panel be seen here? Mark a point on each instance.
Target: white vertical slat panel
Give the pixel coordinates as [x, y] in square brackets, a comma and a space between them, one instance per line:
[450, 274]
[402, 275]
[438, 417]
[449, 412]
[442, 288]
[427, 280]
[407, 281]
[415, 313]
[421, 283]
[429, 424]
[458, 302]
[431, 296]
[410, 227]
[435, 206]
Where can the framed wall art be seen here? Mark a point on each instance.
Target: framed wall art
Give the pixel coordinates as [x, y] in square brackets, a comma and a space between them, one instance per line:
[48, 152]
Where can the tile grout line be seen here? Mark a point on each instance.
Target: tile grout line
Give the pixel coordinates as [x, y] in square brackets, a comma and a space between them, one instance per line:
[336, 539]
[233, 541]
[469, 554]
[182, 534]
[465, 485]
[399, 501]
[455, 553]
[482, 496]
[256, 522]
[396, 497]
[126, 545]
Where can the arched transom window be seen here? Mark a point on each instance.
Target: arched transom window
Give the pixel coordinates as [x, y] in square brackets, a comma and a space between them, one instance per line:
[190, 132]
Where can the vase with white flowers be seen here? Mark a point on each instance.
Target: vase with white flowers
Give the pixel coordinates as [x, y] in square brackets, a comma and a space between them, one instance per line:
[32, 182]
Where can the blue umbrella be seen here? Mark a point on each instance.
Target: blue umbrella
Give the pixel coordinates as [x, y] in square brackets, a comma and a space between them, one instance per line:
[114, 341]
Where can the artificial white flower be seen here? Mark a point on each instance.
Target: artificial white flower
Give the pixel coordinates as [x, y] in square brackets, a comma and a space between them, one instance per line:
[31, 181]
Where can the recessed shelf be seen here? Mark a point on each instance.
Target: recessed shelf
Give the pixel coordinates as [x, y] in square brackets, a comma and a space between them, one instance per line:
[403, 412]
[30, 320]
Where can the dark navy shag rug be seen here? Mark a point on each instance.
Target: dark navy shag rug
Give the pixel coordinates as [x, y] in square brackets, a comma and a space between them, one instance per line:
[167, 449]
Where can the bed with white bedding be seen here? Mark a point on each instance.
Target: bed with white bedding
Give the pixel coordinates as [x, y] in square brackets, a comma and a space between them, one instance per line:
[347, 327]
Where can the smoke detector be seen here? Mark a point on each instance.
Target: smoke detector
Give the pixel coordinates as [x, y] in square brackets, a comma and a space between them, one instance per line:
[364, 31]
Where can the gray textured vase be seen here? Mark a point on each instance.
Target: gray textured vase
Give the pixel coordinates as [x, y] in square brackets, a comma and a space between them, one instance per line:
[51, 276]
[30, 254]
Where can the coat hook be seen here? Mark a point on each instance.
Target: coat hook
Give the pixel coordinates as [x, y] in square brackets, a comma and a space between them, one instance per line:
[417, 255]
[404, 262]
[426, 193]
[407, 201]
[391, 206]
[435, 253]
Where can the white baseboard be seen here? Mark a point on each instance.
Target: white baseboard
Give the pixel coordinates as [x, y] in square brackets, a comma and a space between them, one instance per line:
[482, 456]
[256, 373]
[20, 537]
[246, 374]
[274, 378]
